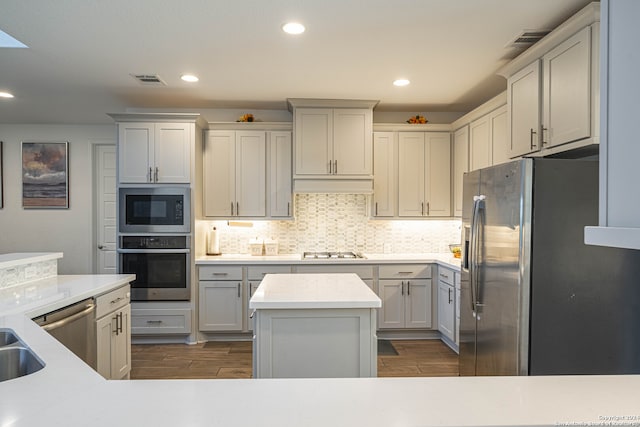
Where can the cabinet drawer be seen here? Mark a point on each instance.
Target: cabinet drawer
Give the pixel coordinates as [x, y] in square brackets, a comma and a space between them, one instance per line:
[445, 275]
[406, 271]
[220, 273]
[112, 301]
[364, 271]
[160, 321]
[258, 272]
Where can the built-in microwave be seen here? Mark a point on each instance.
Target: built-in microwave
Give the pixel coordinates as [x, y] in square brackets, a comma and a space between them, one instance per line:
[155, 210]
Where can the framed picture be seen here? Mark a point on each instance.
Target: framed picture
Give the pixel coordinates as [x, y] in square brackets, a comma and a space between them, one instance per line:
[45, 175]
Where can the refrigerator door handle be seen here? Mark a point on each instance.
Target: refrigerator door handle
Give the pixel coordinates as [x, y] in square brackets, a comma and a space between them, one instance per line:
[478, 204]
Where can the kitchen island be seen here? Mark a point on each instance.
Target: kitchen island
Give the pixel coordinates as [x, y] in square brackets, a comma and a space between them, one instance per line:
[314, 326]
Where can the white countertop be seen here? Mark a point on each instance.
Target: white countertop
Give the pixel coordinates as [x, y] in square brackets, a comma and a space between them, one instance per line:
[444, 259]
[67, 392]
[308, 291]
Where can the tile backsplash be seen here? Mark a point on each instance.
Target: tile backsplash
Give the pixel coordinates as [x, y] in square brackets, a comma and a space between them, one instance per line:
[19, 274]
[338, 222]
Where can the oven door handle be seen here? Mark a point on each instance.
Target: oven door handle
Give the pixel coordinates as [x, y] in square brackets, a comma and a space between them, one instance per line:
[153, 251]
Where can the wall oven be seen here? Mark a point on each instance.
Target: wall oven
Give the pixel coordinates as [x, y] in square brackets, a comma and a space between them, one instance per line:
[161, 264]
[155, 210]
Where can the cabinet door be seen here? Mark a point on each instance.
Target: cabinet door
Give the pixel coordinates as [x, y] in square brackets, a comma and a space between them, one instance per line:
[499, 139]
[121, 350]
[280, 175]
[391, 314]
[352, 146]
[313, 141]
[172, 152]
[135, 152]
[411, 174]
[523, 99]
[251, 161]
[383, 174]
[220, 307]
[480, 143]
[219, 173]
[253, 285]
[460, 166]
[446, 296]
[438, 174]
[567, 91]
[418, 303]
[105, 328]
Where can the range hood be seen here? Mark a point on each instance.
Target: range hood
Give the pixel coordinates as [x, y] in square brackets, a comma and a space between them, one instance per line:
[325, 185]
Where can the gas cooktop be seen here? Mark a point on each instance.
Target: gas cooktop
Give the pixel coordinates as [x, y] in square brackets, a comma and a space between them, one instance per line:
[331, 255]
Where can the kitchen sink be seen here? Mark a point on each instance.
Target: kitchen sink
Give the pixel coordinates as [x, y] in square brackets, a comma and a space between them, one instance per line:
[16, 359]
[7, 337]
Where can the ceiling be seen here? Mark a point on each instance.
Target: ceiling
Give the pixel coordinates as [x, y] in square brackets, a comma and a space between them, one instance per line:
[82, 53]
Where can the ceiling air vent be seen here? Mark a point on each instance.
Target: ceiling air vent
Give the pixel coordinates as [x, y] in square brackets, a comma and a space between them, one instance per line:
[527, 37]
[149, 79]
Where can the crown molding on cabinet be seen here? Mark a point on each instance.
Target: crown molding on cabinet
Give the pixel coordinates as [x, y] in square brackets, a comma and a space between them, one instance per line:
[495, 102]
[585, 17]
[266, 126]
[329, 103]
[160, 117]
[408, 127]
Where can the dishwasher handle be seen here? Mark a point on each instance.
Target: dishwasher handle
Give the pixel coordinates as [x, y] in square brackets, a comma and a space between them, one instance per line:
[62, 322]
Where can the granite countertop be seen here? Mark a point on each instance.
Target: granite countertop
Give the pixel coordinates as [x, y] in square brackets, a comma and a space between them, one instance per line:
[308, 291]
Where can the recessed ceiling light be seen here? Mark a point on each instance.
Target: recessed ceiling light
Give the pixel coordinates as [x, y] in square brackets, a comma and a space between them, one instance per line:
[293, 28]
[401, 82]
[5, 95]
[189, 78]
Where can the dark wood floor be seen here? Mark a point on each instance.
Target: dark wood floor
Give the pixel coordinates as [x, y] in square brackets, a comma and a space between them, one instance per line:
[415, 358]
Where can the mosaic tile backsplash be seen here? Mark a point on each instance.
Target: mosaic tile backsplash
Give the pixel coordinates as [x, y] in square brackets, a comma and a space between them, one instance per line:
[20, 274]
[337, 222]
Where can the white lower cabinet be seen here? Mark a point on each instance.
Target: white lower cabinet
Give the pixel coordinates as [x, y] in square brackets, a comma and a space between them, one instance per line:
[113, 333]
[446, 306]
[220, 298]
[406, 302]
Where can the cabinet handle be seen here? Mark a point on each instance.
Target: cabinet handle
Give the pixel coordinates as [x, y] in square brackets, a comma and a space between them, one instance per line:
[121, 322]
[542, 130]
[402, 288]
[116, 300]
[288, 208]
[156, 177]
[335, 167]
[220, 274]
[428, 209]
[405, 272]
[444, 275]
[408, 287]
[252, 313]
[531, 133]
[150, 174]
[330, 167]
[238, 290]
[115, 331]
[231, 208]
[154, 322]
[376, 208]
[449, 295]
[237, 208]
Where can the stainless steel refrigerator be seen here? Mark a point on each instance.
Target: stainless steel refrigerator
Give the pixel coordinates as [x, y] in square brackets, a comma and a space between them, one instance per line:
[535, 300]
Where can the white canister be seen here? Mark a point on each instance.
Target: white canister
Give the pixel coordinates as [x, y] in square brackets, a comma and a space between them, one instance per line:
[213, 242]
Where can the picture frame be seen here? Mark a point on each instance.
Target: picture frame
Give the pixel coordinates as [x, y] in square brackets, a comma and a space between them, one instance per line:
[45, 175]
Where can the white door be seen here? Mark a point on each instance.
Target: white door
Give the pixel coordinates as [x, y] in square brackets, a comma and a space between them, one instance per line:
[220, 173]
[499, 140]
[135, 151]
[411, 173]
[383, 174]
[418, 303]
[352, 147]
[523, 97]
[172, 153]
[460, 166]
[280, 183]
[220, 306]
[313, 141]
[251, 163]
[480, 143]
[105, 161]
[438, 174]
[391, 314]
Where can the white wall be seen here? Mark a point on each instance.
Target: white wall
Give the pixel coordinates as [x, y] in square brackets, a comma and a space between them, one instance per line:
[69, 231]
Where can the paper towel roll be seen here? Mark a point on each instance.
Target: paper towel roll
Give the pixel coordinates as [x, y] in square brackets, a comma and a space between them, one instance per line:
[213, 242]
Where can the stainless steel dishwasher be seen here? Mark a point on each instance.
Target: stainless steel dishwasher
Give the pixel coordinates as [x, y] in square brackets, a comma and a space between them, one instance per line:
[75, 327]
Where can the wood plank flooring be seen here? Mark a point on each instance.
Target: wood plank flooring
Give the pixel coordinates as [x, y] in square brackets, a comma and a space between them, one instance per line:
[232, 359]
